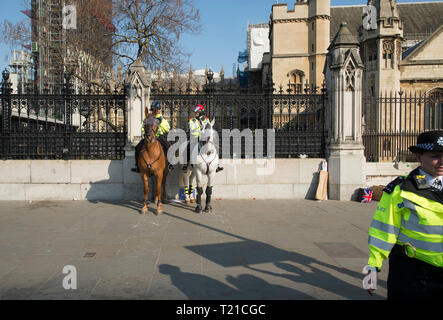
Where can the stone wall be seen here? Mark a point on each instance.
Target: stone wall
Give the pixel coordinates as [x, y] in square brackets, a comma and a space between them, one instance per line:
[102, 180]
[381, 173]
[113, 180]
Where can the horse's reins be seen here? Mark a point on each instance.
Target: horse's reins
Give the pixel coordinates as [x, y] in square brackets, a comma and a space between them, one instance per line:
[161, 151]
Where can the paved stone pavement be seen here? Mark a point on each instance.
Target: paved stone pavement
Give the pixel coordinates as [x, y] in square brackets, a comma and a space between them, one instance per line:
[245, 249]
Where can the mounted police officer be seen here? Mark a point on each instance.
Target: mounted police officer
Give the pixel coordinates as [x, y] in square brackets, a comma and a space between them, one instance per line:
[161, 134]
[408, 227]
[196, 125]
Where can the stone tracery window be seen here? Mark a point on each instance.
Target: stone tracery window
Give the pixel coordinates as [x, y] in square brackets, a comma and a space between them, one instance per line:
[297, 78]
[388, 51]
[398, 58]
[350, 76]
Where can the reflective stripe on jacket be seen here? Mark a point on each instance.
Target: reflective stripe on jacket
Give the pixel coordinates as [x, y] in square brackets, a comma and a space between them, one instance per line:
[405, 217]
[194, 126]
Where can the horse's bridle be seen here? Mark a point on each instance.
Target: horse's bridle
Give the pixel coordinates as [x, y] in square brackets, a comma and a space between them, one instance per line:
[200, 154]
[149, 165]
[153, 131]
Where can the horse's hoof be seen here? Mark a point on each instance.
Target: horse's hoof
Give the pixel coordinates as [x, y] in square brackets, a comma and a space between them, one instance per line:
[187, 201]
[192, 200]
[198, 209]
[143, 211]
[208, 209]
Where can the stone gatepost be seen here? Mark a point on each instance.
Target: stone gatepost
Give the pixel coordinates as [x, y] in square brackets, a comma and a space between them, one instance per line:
[137, 83]
[343, 74]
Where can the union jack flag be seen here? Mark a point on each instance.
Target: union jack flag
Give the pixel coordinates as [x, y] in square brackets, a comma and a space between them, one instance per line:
[366, 196]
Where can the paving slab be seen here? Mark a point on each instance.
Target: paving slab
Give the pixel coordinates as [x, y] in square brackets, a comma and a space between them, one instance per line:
[244, 249]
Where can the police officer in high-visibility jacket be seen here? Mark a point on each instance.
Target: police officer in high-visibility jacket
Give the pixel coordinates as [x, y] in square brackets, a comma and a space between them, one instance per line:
[408, 228]
[161, 134]
[196, 125]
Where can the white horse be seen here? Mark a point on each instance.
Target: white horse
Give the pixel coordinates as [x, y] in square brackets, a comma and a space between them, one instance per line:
[206, 163]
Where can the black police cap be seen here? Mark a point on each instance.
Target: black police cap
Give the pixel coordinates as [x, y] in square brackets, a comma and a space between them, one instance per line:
[428, 141]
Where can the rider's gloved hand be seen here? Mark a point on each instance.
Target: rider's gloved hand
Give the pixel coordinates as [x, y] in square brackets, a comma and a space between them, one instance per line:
[370, 280]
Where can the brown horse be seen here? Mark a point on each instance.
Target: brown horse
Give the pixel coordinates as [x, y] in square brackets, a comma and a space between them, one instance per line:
[152, 162]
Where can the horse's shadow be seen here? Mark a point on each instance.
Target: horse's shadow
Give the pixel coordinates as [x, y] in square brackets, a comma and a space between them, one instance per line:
[244, 286]
[288, 264]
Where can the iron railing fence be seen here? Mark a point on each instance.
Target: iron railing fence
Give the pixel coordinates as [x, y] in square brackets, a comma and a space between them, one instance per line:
[393, 122]
[298, 119]
[62, 126]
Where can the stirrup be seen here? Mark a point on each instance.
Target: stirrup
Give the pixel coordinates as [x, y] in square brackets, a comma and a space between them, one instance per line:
[185, 167]
[135, 169]
[219, 169]
[170, 167]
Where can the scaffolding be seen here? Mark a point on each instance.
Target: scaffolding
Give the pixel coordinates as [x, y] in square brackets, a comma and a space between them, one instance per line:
[21, 68]
[49, 44]
[56, 49]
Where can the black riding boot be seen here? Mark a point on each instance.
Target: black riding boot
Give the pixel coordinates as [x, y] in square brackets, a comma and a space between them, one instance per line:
[198, 209]
[208, 207]
[138, 149]
[165, 145]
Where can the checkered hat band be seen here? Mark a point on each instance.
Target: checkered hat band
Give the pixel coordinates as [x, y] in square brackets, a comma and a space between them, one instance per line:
[426, 146]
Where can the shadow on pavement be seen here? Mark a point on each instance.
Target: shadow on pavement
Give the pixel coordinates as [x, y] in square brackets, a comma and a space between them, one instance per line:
[247, 252]
[200, 287]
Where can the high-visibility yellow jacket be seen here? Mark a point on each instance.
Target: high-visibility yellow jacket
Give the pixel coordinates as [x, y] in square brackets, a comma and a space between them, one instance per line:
[408, 213]
[163, 127]
[194, 126]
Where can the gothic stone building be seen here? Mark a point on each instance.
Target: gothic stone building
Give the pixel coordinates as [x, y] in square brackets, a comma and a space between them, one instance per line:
[404, 51]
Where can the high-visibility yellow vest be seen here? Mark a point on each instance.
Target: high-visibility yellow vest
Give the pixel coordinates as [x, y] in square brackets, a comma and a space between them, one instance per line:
[163, 127]
[406, 218]
[194, 126]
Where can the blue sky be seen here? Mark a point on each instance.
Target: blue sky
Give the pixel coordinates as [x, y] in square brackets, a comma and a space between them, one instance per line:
[224, 26]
